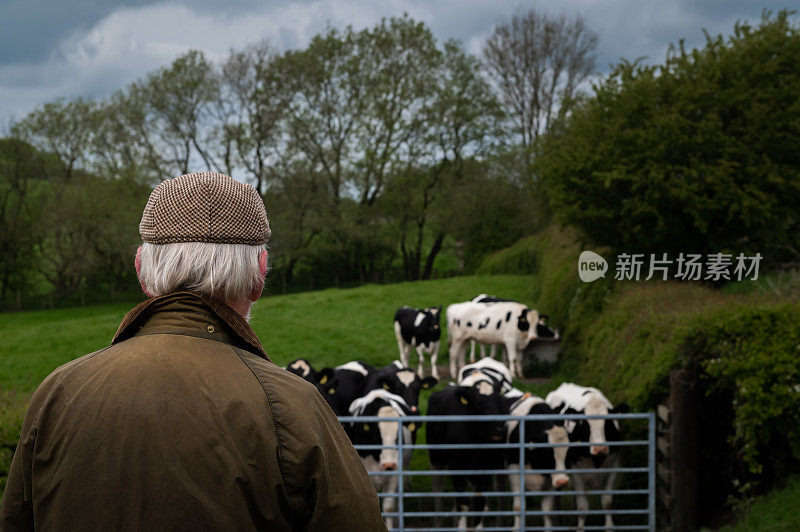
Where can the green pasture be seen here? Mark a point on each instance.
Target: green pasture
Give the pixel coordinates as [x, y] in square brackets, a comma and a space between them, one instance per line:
[328, 327]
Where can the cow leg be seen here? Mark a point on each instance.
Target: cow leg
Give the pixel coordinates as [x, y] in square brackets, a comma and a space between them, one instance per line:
[512, 360]
[434, 357]
[437, 484]
[492, 351]
[420, 360]
[462, 502]
[483, 351]
[514, 481]
[401, 344]
[482, 483]
[456, 358]
[547, 506]
[472, 351]
[606, 499]
[390, 503]
[582, 503]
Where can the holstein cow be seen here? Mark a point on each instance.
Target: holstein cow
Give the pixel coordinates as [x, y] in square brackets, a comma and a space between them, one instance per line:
[542, 329]
[381, 403]
[573, 399]
[401, 381]
[418, 328]
[542, 432]
[480, 399]
[507, 323]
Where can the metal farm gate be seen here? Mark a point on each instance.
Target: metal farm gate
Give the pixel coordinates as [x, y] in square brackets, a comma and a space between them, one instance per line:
[634, 493]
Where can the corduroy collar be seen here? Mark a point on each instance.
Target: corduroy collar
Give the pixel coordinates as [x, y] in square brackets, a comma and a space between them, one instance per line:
[243, 335]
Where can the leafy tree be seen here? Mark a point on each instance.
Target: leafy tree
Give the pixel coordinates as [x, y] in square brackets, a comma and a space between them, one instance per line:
[696, 155]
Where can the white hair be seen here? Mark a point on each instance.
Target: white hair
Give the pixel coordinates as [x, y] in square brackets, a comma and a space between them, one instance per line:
[227, 271]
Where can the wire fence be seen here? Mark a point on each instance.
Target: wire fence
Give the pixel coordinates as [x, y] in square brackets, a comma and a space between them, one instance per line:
[633, 492]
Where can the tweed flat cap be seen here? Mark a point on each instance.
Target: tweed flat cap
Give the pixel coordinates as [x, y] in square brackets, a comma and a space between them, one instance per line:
[204, 207]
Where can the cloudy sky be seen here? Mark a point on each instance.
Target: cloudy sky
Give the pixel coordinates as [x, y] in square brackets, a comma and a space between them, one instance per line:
[54, 48]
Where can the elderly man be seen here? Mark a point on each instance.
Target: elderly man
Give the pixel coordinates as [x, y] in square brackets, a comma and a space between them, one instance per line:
[183, 423]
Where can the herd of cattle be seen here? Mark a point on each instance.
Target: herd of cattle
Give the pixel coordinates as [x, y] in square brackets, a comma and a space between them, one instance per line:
[481, 388]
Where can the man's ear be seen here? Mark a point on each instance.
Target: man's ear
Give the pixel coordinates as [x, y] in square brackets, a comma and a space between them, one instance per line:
[137, 263]
[259, 286]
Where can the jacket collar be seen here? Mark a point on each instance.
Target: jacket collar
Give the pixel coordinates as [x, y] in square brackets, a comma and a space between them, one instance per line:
[147, 314]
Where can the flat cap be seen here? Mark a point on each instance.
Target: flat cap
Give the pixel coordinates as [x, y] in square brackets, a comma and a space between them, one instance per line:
[204, 207]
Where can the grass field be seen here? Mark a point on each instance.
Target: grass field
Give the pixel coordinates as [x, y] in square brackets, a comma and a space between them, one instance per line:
[328, 327]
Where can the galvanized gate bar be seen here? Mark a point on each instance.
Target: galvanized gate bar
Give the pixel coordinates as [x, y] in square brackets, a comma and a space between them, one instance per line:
[522, 512]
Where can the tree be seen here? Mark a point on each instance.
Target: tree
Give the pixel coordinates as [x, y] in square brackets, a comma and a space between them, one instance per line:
[178, 104]
[537, 63]
[696, 155]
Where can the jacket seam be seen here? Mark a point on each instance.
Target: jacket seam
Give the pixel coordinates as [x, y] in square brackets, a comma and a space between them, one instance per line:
[61, 378]
[278, 436]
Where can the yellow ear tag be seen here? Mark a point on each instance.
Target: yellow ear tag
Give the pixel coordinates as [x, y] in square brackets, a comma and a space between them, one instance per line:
[324, 379]
[463, 401]
[527, 394]
[412, 427]
[426, 385]
[385, 386]
[366, 427]
[332, 391]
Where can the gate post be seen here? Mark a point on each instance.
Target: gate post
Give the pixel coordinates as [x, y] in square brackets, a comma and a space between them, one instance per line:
[685, 403]
[400, 467]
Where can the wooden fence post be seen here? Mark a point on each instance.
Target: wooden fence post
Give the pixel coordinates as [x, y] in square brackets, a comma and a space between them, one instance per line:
[685, 403]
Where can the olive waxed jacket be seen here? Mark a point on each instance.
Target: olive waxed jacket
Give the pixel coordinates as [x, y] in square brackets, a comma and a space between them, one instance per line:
[183, 423]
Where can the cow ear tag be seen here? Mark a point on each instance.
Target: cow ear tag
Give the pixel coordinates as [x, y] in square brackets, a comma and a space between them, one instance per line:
[324, 379]
[332, 391]
[385, 386]
[366, 427]
[463, 401]
[527, 394]
[426, 385]
[412, 427]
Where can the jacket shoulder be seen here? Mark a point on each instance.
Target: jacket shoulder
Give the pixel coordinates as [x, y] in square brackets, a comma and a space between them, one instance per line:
[327, 484]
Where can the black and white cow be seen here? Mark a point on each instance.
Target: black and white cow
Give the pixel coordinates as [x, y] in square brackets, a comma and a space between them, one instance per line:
[480, 399]
[344, 384]
[542, 432]
[494, 369]
[542, 329]
[508, 323]
[418, 328]
[401, 381]
[382, 403]
[571, 398]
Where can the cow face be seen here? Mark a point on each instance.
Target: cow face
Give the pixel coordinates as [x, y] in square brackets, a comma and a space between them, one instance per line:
[526, 333]
[598, 432]
[431, 322]
[543, 330]
[407, 384]
[483, 399]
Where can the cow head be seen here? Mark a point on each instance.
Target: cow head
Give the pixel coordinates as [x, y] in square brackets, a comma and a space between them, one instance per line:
[431, 322]
[405, 383]
[526, 330]
[385, 433]
[598, 432]
[543, 330]
[302, 368]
